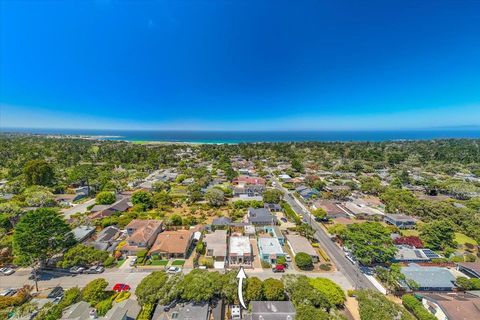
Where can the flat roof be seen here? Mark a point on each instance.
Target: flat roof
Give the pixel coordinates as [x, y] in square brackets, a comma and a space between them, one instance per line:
[429, 277]
[240, 246]
[269, 246]
[301, 244]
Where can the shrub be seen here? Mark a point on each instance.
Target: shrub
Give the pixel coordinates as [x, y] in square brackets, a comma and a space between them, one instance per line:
[124, 295]
[146, 312]
[412, 241]
[281, 260]
[110, 261]
[330, 290]
[206, 261]
[265, 264]
[326, 267]
[94, 291]
[20, 297]
[273, 290]
[105, 197]
[304, 261]
[416, 307]
[103, 306]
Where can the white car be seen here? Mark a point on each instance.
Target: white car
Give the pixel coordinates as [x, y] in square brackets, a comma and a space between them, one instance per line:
[6, 271]
[133, 261]
[77, 269]
[174, 270]
[288, 258]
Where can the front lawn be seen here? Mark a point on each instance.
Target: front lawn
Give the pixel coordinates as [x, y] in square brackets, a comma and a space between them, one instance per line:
[410, 232]
[159, 262]
[178, 262]
[120, 262]
[461, 239]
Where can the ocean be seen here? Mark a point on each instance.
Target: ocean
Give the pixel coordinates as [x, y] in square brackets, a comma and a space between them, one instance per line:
[255, 136]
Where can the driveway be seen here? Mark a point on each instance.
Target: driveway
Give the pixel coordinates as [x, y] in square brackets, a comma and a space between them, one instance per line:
[79, 208]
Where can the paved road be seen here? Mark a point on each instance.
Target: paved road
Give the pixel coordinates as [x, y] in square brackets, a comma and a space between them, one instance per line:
[133, 277]
[81, 207]
[354, 275]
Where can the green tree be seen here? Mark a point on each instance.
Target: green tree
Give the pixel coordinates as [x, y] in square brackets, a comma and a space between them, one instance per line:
[301, 292]
[307, 312]
[38, 172]
[375, 306]
[215, 197]
[94, 291]
[297, 165]
[332, 291]
[398, 200]
[273, 290]
[142, 198]
[230, 287]
[370, 185]
[370, 242]
[438, 235]
[319, 214]
[39, 235]
[200, 285]
[38, 196]
[149, 290]
[162, 199]
[83, 174]
[254, 290]
[272, 196]
[105, 197]
[81, 255]
[304, 261]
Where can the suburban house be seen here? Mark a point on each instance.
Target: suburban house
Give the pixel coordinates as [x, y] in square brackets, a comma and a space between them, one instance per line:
[101, 211]
[221, 222]
[82, 233]
[107, 239]
[471, 269]
[452, 306]
[301, 244]
[361, 209]
[141, 235]
[216, 247]
[261, 217]
[125, 310]
[273, 207]
[400, 221]
[410, 254]
[172, 244]
[251, 190]
[429, 278]
[190, 311]
[242, 181]
[331, 208]
[271, 310]
[240, 251]
[308, 193]
[270, 249]
[275, 232]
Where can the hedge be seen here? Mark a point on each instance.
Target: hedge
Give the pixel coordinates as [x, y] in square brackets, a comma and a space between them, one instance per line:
[413, 305]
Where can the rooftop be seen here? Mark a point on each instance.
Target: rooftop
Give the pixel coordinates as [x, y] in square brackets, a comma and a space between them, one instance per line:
[272, 310]
[172, 241]
[301, 244]
[462, 306]
[240, 246]
[429, 277]
[217, 242]
[269, 246]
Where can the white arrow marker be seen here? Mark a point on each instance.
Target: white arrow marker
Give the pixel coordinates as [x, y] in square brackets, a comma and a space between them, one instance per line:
[241, 275]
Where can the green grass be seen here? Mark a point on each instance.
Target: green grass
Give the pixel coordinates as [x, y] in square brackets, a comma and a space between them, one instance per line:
[159, 262]
[178, 262]
[410, 232]
[120, 262]
[461, 239]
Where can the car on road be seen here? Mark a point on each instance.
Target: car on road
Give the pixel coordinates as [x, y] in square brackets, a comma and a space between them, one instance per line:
[95, 269]
[350, 258]
[119, 287]
[173, 270]
[288, 258]
[133, 261]
[8, 292]
[6, 271]
[278, 268]
[77, 269]
[284, 219]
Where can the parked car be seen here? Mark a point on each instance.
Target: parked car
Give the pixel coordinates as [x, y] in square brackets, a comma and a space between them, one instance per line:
[278, 268]
[118, 287]
[95, 269]
[8, 292]
[77, 269]
[350, 258]
[133, 261]
[173, 270]
[6, 271]
[288, 258]
[170, 305]
[284, 219]
[56, 292]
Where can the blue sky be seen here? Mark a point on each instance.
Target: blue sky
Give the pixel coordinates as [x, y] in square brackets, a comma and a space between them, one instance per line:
[240, 65]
